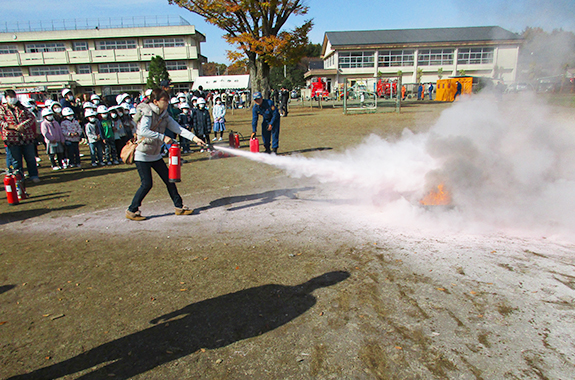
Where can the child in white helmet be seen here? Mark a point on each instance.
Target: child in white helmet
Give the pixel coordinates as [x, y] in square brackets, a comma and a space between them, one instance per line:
[110, 155]
[202, 121]
[94, 136]
[72, 132]
[219, 114]
[53, 137]
[118, 128]
[185, 121]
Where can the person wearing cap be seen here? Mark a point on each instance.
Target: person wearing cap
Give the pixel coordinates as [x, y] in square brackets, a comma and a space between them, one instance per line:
[95, 99]
[94, 136]
[165, 85]
[54, 138]
[129, 125]
[151, 128]
[68, 100]
[18, 130]
[119, 132]
[110, 154]
[270, 122]
[72, 132]
[185, 120]
[202, 121]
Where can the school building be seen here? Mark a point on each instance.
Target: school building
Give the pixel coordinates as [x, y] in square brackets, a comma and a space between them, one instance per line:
[490, 52]
[104, 56]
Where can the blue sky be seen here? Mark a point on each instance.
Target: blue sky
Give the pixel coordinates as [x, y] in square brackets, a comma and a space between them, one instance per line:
[328, 15]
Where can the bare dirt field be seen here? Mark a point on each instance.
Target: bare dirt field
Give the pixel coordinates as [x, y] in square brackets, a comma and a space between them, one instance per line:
[273, 277]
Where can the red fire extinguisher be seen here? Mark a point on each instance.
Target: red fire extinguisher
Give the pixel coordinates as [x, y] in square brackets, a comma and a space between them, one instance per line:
[10, 186]
[20, 186]
[254, 145]
[234, 140]
[175, 172]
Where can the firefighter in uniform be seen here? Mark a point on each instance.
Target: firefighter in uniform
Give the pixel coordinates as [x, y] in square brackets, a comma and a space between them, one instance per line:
[270, 122]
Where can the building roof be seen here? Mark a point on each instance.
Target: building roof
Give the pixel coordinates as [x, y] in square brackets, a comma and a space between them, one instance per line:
[222, 82]
[420, 36]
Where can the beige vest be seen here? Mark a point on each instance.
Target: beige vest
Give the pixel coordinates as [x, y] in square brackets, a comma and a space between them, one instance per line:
[159, 124]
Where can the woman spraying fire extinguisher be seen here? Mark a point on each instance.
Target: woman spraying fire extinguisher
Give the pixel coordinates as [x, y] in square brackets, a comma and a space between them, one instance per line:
[151, 130]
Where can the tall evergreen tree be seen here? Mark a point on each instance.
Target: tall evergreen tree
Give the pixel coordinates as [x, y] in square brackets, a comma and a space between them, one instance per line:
[157, 72]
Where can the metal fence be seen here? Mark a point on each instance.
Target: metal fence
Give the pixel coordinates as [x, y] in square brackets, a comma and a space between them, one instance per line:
[92, 23]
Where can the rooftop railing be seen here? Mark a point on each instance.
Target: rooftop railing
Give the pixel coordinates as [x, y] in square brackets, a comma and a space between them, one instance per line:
[92, 23]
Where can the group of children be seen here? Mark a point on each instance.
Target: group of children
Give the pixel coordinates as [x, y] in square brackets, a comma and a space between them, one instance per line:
[106, 130]
[196, 118]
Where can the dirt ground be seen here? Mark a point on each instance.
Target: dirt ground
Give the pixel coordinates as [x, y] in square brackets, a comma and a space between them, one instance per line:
[273, 277]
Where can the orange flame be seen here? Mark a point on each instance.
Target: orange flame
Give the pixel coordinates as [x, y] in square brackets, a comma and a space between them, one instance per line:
[437, 197]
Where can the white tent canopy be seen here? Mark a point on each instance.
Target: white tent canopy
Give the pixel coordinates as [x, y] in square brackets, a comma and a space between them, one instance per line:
[222, 82]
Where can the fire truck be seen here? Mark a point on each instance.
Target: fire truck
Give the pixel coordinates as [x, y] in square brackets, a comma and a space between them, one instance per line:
[319, 88]
[385, 88]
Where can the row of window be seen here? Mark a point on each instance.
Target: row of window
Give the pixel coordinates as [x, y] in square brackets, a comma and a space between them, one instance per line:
[425, 57]
[87, 69]
[99, 45]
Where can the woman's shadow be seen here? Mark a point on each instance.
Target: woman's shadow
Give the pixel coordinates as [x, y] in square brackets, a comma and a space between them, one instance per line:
[212, 323]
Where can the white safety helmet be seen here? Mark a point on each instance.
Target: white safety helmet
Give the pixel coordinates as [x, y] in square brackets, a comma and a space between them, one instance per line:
[125, 107]
[184, 105]
[194, 98]
[174, 101]
[89, 105]
[180, 95]
[121, 98]
[67, 111]
[132, 111]
[95, 97]
[66, 91]
[102, 109]
[90, 112]
[47, 111]
[201, 101]
[148, 92]
[48, 103]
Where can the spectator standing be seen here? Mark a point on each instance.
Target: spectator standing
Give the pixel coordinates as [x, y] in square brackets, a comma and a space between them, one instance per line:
[72, 132]
[419, 91]
[54, 138]
[185, 121]
[219, 114]
[118, 128]
[284, 99]
[110, 155]
[94, 137]
[430, 91]
[19, 130]
[202, 121]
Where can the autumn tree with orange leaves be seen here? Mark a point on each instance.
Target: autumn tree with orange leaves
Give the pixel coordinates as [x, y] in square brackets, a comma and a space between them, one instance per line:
[254, 27]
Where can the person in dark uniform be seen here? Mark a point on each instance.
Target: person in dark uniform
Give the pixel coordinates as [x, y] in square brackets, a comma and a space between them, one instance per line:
[270, 122]
[284, 99]
[458, 90]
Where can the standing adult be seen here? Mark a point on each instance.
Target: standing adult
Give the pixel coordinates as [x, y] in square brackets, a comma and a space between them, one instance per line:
[458, 90]
[284, 99]
[152, 126]
[430, 91]
[19, 130]
[270, 122]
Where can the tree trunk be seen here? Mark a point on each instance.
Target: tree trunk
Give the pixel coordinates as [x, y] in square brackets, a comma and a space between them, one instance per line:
[259, 76]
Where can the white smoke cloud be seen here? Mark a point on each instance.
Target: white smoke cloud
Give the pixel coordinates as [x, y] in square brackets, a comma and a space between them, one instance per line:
[509, 166]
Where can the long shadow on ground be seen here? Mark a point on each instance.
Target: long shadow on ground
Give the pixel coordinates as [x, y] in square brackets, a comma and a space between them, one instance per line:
[213, 323]
[17, 216]
[257, 199]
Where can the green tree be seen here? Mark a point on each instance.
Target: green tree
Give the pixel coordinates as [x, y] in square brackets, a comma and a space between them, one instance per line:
[256, 29]
[440, 72]
[419, 75]
[157, 72]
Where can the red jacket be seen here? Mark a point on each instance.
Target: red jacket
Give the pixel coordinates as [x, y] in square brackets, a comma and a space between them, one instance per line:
[18, 126]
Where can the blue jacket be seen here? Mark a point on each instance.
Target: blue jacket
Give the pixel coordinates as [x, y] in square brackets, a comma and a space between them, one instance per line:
[268, 111]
